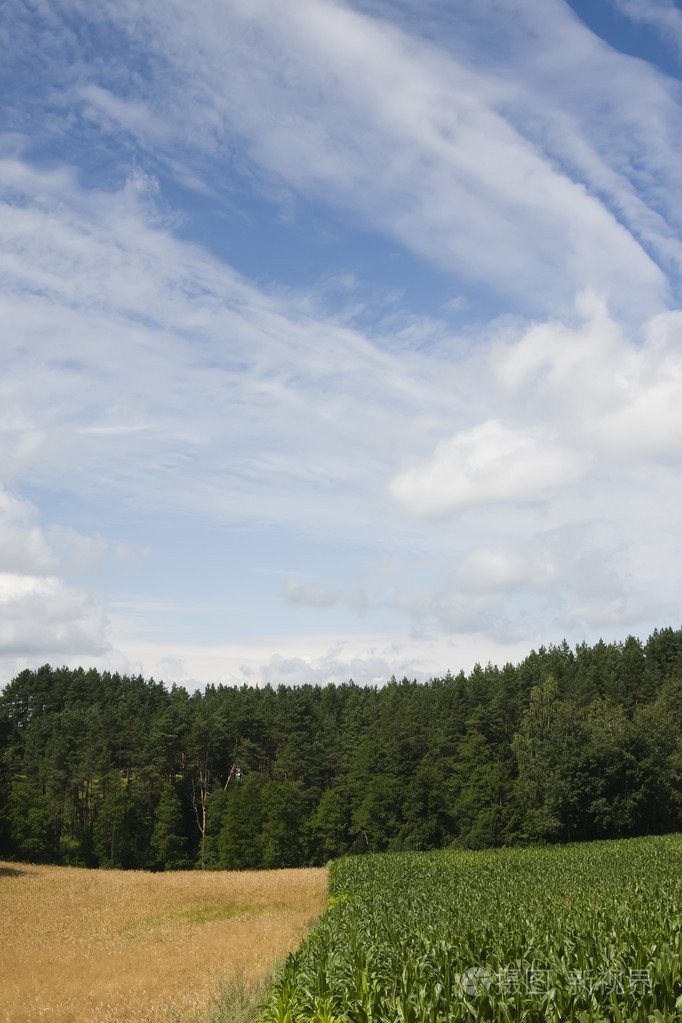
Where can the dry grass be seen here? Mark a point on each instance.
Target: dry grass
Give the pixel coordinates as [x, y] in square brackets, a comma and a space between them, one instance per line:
[87, 946]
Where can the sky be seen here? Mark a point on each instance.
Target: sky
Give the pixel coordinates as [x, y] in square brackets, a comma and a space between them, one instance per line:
[338, 338]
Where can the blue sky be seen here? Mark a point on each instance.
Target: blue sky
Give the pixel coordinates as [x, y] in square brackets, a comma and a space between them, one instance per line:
[337, 339]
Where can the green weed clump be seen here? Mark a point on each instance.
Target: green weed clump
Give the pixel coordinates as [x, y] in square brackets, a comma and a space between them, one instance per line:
[589, 932]
[238, 1000]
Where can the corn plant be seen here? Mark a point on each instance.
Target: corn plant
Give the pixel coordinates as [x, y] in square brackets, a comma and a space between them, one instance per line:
[588, 932]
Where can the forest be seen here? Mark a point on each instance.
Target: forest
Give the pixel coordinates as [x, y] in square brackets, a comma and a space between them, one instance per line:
[106, 770]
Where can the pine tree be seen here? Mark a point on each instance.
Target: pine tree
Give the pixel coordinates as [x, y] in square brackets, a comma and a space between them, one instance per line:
[169, 840]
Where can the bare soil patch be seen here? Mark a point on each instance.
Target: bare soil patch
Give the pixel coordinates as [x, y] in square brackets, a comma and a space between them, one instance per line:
[94, 946]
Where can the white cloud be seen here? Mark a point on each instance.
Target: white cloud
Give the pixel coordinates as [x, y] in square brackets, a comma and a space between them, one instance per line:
[431, 144]
[349, 106]
[645, 417]
[142, 374]
[606, 394]
[80, 555]
[40, 616]
[662, 15]
[495, 569]
[585, 399]
[235, 393]
[602, 117]
[27, 547]
[315, 595]
[23, 545]
[490, 462]
[249, 407]
[102, 105]
[315, 658]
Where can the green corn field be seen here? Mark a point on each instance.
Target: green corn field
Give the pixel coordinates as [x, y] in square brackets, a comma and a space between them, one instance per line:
[582, 932]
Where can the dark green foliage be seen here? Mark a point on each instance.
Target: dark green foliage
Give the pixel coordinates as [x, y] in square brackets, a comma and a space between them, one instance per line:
[31, 825]
[240, 846]
[282, 836]
[216, 803]
[99, 769]
[169, 841]
[375, 820]
[329, 826]
[429, 822]
[121, 831]
[548, 749]
[5, 826]
[480, 792]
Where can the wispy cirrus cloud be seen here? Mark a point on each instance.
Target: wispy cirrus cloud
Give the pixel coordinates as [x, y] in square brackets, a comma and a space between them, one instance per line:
[504, 172]
[228, 380]
[424, 148]
[663, 15]
[497, 472]
[238, 391]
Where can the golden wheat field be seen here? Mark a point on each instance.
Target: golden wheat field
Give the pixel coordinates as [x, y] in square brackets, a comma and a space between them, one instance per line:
[94, 946]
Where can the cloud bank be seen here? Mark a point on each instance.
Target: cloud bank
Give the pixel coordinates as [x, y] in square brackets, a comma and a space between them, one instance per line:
[362, 320]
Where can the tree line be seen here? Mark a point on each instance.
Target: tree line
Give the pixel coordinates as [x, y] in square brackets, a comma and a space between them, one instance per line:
[108, 770]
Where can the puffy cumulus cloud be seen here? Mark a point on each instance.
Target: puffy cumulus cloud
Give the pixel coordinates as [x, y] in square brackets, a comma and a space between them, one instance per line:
[487, 463]
[551, 357]
[576, 579]
[615, 396]
[643, 418]
[30, 548]
[375, 658]
[499, 576]
[335, 666]
[39, 616]
[508, 567]
[369, 659]
[582, 400]
[273, 659]
[23, 544]
[428, 598]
